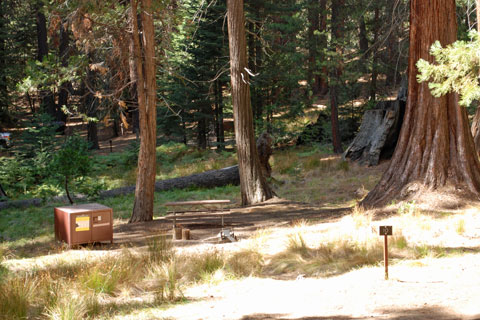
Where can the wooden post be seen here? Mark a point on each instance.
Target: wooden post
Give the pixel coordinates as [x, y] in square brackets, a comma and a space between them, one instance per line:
[385, 231]
[185, 234]
[385, 255]
[177, 233]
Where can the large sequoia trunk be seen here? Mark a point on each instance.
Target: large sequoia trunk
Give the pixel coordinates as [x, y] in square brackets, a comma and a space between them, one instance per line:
[144, 54]
[435, 149]
[254, 187]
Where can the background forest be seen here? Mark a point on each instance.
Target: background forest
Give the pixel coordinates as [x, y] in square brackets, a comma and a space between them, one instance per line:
[66, 67]
[103, 99]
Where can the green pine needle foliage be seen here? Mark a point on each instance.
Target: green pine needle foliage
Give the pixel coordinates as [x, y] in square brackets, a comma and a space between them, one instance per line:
[456, 69]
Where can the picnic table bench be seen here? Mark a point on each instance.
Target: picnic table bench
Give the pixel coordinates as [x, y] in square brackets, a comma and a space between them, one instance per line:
[180, 207]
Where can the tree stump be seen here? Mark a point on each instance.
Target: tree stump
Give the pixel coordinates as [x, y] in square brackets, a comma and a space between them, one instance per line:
[177, 233]
[379, 131]
[264, 147]
[185, 234]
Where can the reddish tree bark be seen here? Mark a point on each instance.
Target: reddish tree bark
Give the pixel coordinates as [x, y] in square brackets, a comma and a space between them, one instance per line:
[435, 149]
[144, 59]
[253, 185]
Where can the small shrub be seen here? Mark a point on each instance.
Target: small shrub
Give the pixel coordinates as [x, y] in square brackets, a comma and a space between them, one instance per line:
[408, 208]
[130, 156]
[400, 242]
[72, 161]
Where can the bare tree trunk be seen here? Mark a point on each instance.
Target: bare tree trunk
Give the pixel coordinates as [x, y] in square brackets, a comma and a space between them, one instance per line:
[392, 45]
[435, 149]
[202, 129]
[67, 191]
[4, 97]
[63, 52]
[314, 25]
[322, 79]
[133, 88]
[259, 92]
[362, 36]
[219, 129]
[376, 31]
[335, 79]
[254, 187]
[146, 88]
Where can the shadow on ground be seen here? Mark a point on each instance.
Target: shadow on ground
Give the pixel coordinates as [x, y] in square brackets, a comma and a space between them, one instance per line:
[427, 313]
[204, 226]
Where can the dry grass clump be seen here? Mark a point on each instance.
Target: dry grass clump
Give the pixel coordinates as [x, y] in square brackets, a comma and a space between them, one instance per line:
[160, 250]
[68, 306]
[166, 281]
[328, 259]
[16, 296]
[245, 263]
[201, 266]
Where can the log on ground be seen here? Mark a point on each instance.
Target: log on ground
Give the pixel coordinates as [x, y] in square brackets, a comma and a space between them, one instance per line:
[208, 179]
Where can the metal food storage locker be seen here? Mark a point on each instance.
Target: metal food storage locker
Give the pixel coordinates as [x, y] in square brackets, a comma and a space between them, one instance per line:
[85, 223]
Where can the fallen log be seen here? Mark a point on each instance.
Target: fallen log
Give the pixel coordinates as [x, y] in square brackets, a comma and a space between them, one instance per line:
[207, 179]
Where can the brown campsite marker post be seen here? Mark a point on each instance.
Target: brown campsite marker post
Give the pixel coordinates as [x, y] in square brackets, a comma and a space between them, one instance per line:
[385, 231]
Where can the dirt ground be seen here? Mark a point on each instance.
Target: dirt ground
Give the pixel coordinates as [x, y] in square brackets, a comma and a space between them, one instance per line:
[444, 288]
[205, 226]
[429, 288]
